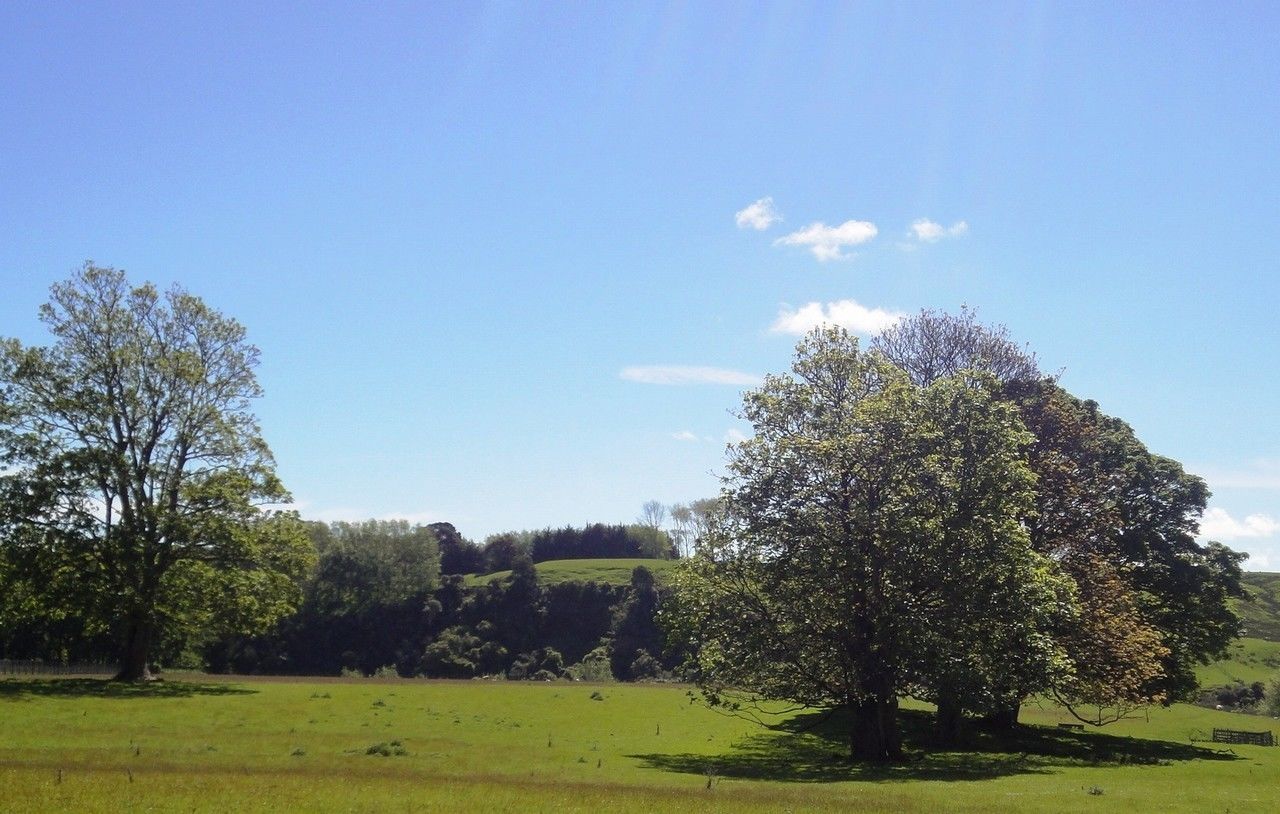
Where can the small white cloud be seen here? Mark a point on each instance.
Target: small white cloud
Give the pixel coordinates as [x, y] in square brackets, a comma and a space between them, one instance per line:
[734, 436]
[759, 216]
[926, 231]
[684, 435]
[848, 314]
[1217, 524]
[685, 374]
[827, 242]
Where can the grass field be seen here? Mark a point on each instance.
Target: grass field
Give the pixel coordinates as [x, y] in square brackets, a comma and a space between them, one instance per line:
[1262, 612]
[1248, 660]
[283, 745]
[613, 572]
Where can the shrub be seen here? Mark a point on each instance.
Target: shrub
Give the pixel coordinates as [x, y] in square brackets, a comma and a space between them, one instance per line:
[593, 667]
[385, 749]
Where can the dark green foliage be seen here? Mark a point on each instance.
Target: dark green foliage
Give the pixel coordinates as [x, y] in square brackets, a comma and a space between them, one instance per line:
[458, 555]
[635, 630]
[577, 616]
[599, 541]
[366, 604]
[460, 653]
[543, 664]
[501, 551]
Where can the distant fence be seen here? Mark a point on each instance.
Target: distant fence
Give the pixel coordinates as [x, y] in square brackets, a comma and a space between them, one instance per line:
[36, 667]
[1236, 736]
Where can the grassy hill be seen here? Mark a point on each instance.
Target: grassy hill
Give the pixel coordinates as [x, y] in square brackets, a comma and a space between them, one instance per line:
[1262, 612]
[612, 572]
[1249, 660]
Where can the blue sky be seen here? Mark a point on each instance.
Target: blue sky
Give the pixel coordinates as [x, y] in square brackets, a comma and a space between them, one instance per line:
[471, 240]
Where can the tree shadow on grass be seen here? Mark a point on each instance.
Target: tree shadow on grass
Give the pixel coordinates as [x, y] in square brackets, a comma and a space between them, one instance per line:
[12, 689]
[813, 748]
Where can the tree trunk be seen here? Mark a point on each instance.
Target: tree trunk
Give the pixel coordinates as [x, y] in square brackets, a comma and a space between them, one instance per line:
[949, 722]
[874, 733]
[137, 647]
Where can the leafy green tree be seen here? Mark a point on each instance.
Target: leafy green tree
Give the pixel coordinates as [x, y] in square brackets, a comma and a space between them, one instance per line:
[1119, 521]
[375, 563]
[135, 472]
[501, 551]
[989, 603]
[861, 516]
[635, 628]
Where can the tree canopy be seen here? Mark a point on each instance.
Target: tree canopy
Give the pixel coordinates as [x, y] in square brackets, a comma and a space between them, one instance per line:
[1119, 520]
[134, 472]
[869, 545]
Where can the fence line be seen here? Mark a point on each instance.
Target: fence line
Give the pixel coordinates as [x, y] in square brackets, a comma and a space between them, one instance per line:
[37, 667]
[1264, 738]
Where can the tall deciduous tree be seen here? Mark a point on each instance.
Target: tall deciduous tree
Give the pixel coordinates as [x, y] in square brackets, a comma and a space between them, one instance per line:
[134, 470]
[863, 515]
[1117, 519]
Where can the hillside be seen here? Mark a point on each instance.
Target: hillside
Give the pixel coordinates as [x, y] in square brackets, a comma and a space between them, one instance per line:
[611, 572]
[1262, 613]
[1247, 661]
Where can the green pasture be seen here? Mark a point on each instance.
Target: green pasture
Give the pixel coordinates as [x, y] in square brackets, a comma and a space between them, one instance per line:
[281, 745]
[1261, 612]
[1247, 661]
[612, 572]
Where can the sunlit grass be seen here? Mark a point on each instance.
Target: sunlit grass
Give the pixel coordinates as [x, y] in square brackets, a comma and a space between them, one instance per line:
[1248, 660]
[305, 746]
[612, 572]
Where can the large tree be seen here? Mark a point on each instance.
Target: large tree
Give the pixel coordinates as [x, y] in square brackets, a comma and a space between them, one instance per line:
[134, 472]
[869, 545]
[1118, 520]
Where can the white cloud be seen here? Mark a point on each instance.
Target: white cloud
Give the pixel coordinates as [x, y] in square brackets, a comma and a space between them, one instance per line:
[826, 242]
[848, 314]
[684, 435]
[759, 216]
[734, 436]
[1260, 474]
[685, 374]
[926, 231]
[1217, 524]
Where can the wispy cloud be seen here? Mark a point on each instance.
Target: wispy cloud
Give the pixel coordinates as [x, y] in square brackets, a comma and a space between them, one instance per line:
[1217, 524]
[759, 216]
[926, 231]
[685, 374]
[734, 436]
[1261, 474]
[848, 314]
[828, 242]
[684, 435]
[350, 514]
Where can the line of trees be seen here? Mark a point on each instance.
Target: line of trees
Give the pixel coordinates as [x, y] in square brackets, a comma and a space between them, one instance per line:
[376, 602]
